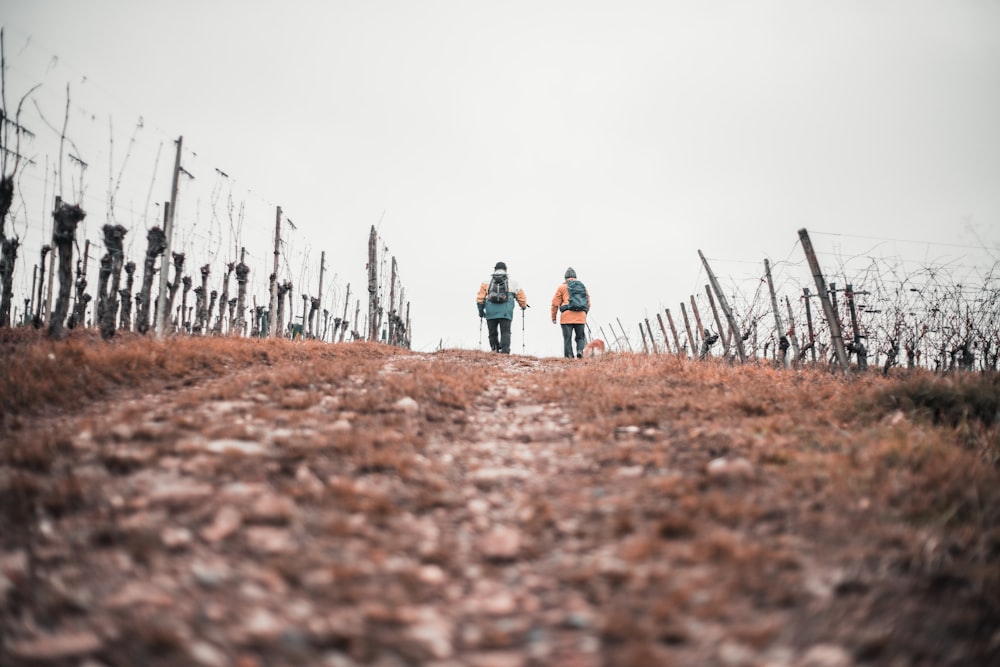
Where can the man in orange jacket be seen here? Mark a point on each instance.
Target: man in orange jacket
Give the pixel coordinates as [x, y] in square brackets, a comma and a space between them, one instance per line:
[572, 299]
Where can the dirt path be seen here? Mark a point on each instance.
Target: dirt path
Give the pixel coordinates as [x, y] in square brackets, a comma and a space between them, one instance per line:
[391, 514]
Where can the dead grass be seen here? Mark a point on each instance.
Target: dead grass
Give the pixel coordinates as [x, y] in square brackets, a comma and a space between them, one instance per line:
[892, 483]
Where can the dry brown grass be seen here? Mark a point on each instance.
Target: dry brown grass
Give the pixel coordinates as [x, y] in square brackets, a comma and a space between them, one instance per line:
[889, 486]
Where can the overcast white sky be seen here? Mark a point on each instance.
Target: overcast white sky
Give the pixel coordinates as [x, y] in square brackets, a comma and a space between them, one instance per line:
[615, 137]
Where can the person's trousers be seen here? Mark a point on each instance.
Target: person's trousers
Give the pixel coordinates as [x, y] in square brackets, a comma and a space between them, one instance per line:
[499, 330]
[568, 331]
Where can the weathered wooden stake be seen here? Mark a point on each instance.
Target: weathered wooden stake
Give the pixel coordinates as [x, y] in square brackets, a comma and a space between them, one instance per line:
[692, 344]
[723, 334]
[392, 304]
[343, 320]
[857, 347]
[836, 337]
[782, 352]
[652, 341]
[724, 305]
[372, 285]
[272, 324]
[702, 331]
[791, 330]
[627, 341]
[673, 330]
[663, 329]
[168, 229]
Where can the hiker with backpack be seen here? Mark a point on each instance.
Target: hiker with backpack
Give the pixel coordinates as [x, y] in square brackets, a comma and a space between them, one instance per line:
[495, 302]
[572, 300]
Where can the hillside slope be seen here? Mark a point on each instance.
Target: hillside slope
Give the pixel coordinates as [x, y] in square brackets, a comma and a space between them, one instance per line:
[234, 502]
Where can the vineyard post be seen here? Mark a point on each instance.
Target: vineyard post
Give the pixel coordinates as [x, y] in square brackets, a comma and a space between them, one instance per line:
[836, 337]
[392, 304]
[697, 319]
[34, 284]
[47, 311]
[673, 330]
[79, 307]
[725, 308]
[692, 343]
[272, 321]
[663, 329]
[723, 336]
[319, 296]
[372, 285]
[603, 335]
[642, 332]
[356, 332]
[791, 330]
[305, 306]
[125, 321]
[782, 339]
[652, 341]
[39, 301]
[858, 347]
[809, 324]
[343, 320]
[833, 300]
[161, 304]
[409, 336]
[627, 341]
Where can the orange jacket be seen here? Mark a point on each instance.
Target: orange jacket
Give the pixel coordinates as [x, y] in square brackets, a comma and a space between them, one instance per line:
[568, 316]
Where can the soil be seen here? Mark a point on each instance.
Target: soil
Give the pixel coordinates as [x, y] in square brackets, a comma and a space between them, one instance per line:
[485, 510]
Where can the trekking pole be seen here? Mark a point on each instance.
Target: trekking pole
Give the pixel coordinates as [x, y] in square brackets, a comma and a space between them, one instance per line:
[480, 333]
[523, 312]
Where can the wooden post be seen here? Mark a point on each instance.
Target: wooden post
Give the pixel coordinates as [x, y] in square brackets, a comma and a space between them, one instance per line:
[791, 330]
[392, 304]
[652, 341]
[372, 285]
[272, 321]
[343, 320]
[161, 304]
[34, 283]
[673, 330]
[627, 341]
[409, 334]
[858, 347]
[47, 314]
[737, 338]
[809, 323]
[836, 337]
[663, 329]
[645, 348]
[604, 336]
[782, 354]
[357, 314]
[322, 266]
[697, 319]
[723, 336]
[687, 327]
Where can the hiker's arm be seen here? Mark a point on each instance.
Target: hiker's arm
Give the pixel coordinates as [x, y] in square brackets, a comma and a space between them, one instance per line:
[522, 299]
[481, 299]
[557, 301]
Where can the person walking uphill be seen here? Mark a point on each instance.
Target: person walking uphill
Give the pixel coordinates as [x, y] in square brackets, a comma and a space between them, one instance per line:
[572, 300]
[495, 301]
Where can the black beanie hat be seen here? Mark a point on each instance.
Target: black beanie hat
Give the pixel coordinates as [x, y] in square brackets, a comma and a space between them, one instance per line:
[570, 273]
[499, 266]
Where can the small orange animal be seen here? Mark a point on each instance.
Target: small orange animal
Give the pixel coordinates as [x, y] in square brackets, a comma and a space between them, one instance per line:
[595, 348]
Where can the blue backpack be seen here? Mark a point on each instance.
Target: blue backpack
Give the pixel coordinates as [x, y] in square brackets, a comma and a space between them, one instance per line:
[577, 296]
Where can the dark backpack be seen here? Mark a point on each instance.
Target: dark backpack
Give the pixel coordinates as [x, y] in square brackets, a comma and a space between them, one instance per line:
[577, 295]
[498, 291]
